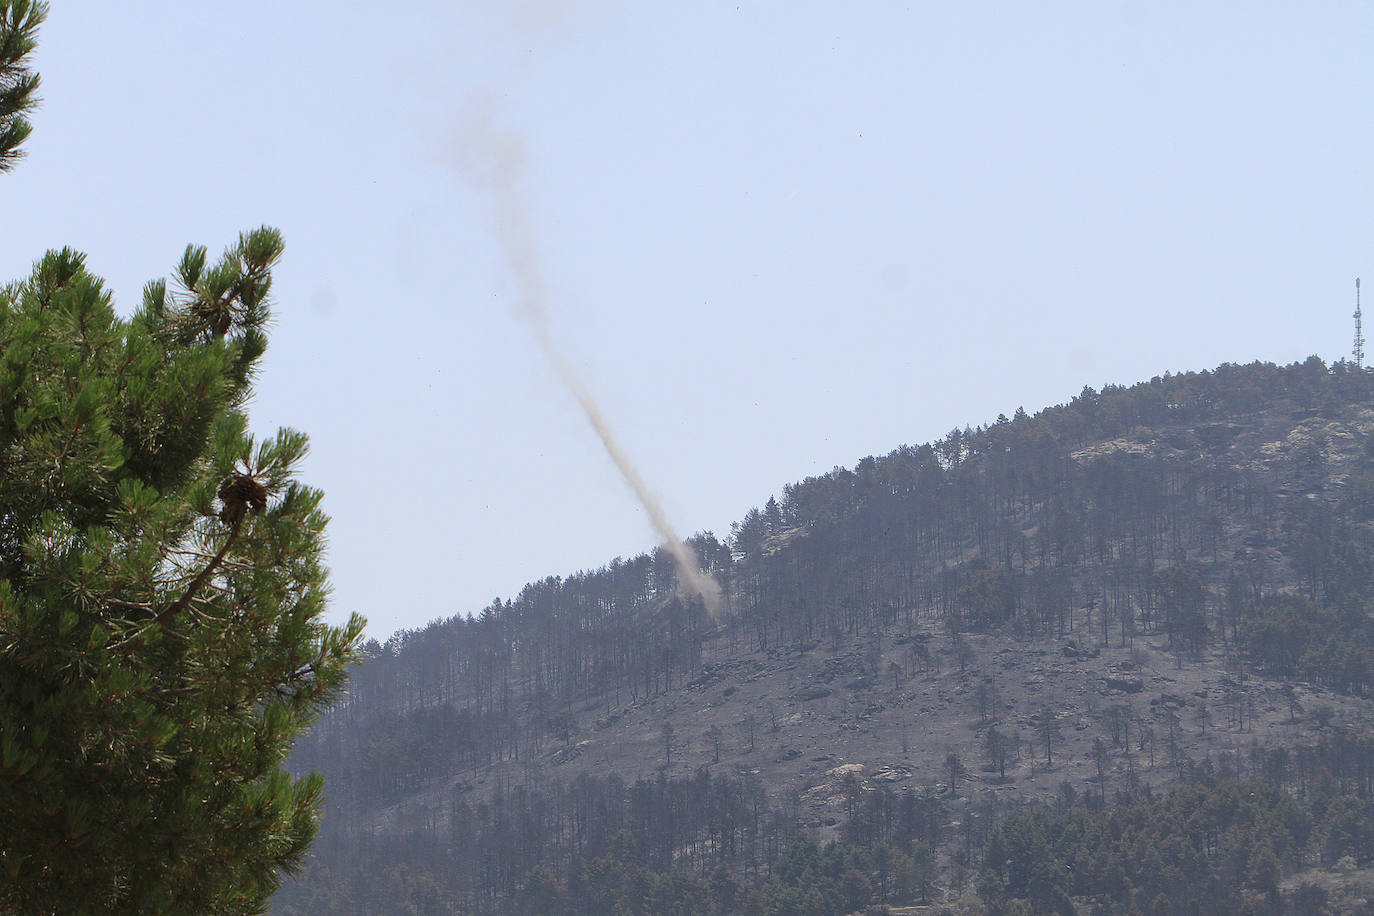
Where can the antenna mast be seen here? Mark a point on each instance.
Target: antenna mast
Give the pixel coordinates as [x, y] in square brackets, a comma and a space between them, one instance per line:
[1359, 331]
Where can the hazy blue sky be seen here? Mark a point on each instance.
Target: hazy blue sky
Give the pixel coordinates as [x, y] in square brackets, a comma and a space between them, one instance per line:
[776, 237]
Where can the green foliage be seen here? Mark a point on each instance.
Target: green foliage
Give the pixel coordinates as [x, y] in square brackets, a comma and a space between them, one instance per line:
[989, 598]
[161, 592]
[1198, 849]
[1289, 636]
[19, 22]
[1184, 606]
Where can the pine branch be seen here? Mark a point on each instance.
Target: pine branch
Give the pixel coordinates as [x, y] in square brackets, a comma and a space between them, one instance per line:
[199, 581]
[19, 21]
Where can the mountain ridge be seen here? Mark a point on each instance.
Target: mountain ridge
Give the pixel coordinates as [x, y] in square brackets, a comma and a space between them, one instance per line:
[1109, 589]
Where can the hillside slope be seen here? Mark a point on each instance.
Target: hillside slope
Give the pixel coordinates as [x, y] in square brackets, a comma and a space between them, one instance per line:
[1145, 586]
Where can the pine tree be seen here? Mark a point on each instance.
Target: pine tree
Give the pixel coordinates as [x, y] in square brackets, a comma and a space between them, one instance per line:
[161, 591]
[19, 21]
[161, 588]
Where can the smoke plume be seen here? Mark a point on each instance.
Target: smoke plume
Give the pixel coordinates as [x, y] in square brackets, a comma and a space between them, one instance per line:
[493, 159]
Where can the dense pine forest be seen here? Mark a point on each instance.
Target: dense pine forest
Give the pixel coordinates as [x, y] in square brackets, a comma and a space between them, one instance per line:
[1116, 654]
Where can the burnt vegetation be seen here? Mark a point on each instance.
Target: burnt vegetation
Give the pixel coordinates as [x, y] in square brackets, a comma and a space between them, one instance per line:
[970, 673]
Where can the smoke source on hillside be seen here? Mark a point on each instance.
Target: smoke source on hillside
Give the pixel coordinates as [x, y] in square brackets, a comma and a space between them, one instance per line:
[493, 159]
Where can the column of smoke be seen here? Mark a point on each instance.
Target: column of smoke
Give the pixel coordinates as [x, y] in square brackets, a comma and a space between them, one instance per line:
[494, 160]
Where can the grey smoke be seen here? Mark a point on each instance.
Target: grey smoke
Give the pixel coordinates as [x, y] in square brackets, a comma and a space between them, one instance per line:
[493, 159]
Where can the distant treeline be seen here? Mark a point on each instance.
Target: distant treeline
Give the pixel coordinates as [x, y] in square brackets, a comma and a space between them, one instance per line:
[1205, 850]
[706, 844]
[710, 845]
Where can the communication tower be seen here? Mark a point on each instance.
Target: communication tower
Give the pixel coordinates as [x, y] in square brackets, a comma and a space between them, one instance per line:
[1359, 330]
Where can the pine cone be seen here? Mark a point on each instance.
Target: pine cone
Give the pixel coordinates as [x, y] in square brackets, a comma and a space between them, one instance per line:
[240, 493]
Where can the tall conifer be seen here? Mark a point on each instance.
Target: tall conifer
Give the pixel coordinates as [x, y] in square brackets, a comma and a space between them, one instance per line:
[161, 587]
